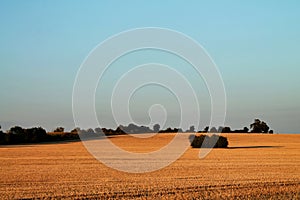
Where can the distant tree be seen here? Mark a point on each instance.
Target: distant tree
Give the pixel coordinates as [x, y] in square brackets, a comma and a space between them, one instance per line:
[98, 130]
[271, 131]
[265, 127]
[2, 137]
[213, 130]
[206, 129]
[220, 129]
[226, 129]
[59, 129]
[16, 130]
[36, 134]
[170, 130]
[119, 130]
[105, 131]
[143, 129]
[131, 128]
[256, 126]
[15, 135]
[75, 130]
[192, 129]
[246, 129]
[156, 128]
[259, 127]
[19, 135]
[90, 130]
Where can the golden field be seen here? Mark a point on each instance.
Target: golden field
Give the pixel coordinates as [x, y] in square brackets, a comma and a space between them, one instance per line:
[255, 166]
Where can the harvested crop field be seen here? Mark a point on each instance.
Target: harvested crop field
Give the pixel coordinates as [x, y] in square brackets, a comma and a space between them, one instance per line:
[254, 166]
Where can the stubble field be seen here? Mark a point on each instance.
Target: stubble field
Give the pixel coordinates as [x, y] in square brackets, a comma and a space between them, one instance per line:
[254, 166]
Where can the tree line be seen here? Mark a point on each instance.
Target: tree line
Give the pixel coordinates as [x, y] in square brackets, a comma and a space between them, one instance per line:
[19, 135]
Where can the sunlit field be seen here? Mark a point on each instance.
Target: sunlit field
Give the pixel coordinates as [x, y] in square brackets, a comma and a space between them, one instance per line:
[254, 166]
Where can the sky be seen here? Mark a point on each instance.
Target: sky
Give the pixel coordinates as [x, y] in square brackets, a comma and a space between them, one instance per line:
[255, 45]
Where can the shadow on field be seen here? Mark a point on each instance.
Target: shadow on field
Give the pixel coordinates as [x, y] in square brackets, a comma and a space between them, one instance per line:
[254, 147]
[53, 142]
[37, 143]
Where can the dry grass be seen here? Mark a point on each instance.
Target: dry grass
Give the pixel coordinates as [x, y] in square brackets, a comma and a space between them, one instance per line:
[256, 166]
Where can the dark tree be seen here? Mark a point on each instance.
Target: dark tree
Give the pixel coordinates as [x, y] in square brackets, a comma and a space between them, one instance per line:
[15, 135]
[18, 135]
[131, 128]
[35, 134]
[119, 130]
[259, 127]
[265, 127]
[170, 130]
[59, 129]
[98, 130]
[271, 131]
[90, 130]
[256, 126]
[226, 130]
[17, 130]
[206, 129]
[192, 129]
[156, 128]
[213, 130]
[2, 137]
[246, 129]
[75, 130]
[220, 129]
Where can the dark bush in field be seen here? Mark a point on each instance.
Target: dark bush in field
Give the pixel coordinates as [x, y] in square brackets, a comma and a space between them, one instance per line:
[213, 141]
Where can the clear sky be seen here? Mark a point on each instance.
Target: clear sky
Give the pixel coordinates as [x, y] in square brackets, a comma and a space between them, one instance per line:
[255, 44]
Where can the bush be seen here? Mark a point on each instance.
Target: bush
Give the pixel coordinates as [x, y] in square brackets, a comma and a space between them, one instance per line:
[213, 141]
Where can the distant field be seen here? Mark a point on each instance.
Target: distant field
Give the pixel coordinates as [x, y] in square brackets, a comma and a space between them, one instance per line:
[254, 166]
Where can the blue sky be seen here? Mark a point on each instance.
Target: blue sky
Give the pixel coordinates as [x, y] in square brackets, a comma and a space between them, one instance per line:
[255, 44]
